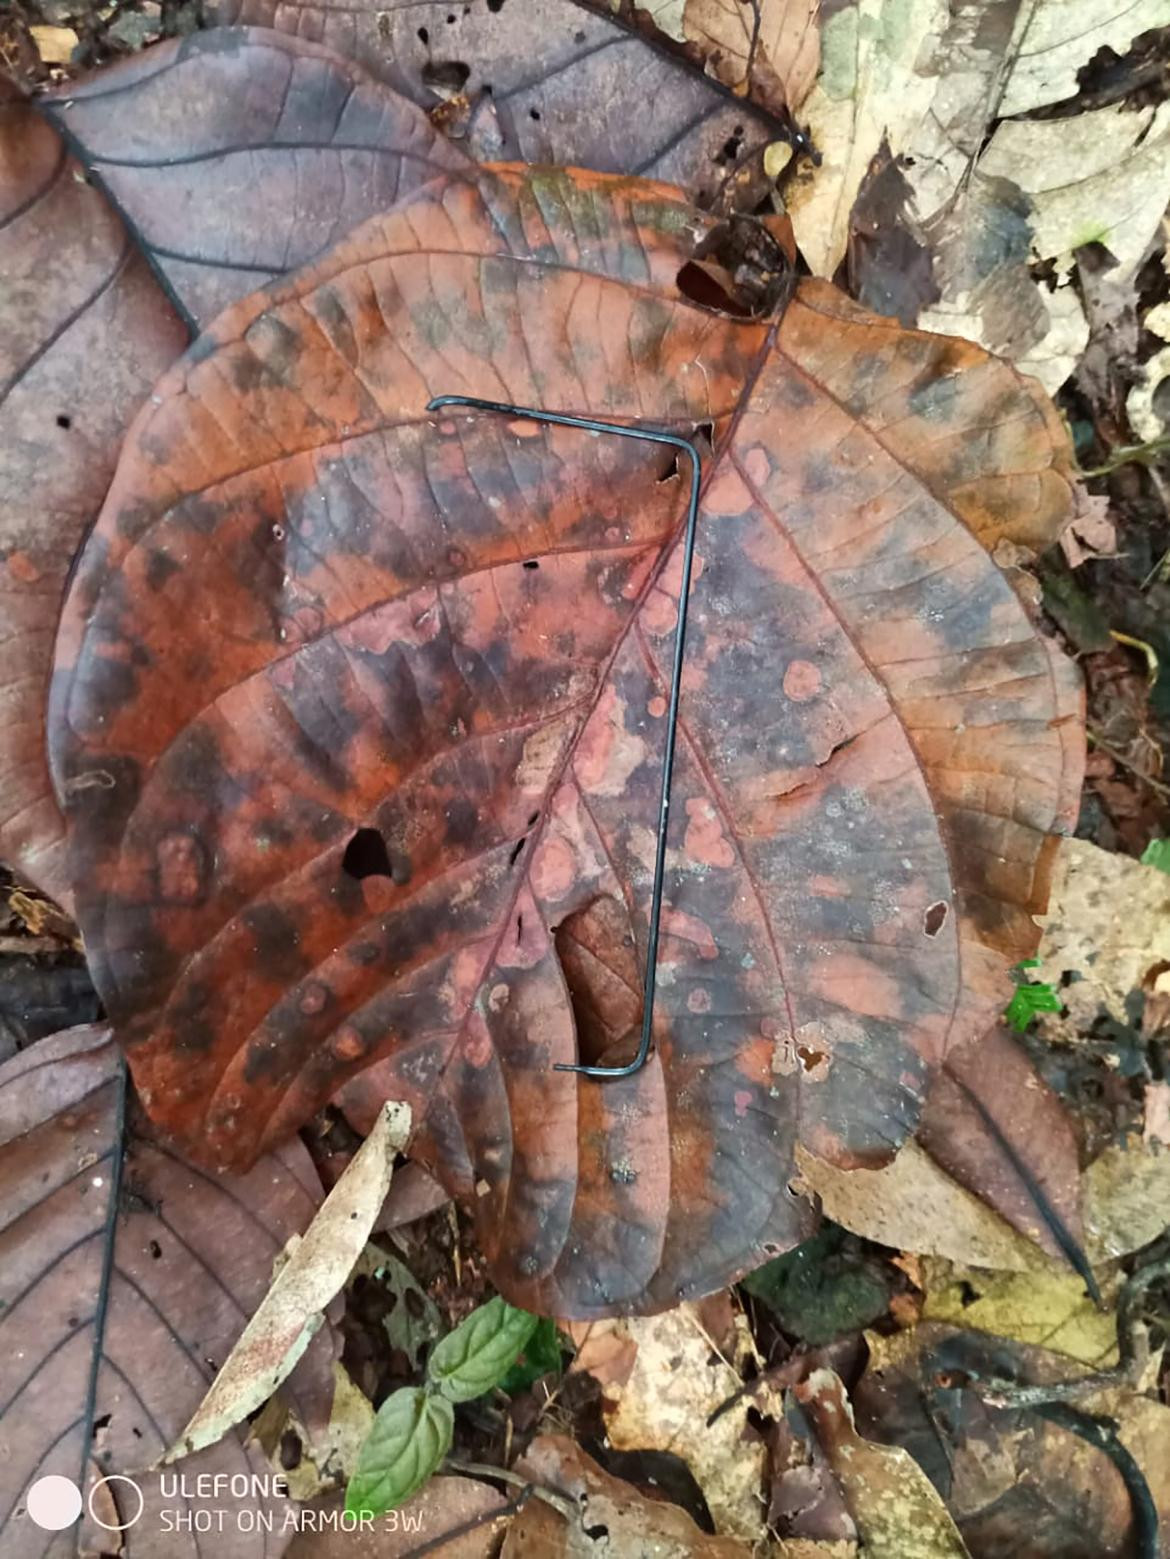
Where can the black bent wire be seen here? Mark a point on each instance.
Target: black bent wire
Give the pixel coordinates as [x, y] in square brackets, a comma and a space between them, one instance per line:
[591, 425]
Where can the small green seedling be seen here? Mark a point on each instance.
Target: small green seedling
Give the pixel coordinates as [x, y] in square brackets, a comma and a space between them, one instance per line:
[413, 1429]
[1157, 853]
[1030, 998]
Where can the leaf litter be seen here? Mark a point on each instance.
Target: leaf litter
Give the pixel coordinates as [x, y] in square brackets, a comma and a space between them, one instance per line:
[1034, 295]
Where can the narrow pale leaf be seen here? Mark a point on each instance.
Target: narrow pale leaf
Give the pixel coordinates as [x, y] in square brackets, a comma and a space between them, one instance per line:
[282, 1327]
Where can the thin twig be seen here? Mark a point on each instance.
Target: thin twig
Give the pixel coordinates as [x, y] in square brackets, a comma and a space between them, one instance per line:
[1133, 1352]
[433, 1545]
[1096, 740]
[561, 1503]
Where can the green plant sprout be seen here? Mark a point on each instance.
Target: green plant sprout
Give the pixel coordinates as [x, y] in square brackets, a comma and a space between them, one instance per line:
[1030, 998]
[414, 1426]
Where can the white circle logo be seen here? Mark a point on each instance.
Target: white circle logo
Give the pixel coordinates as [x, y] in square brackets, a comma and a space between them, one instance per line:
[116, 1526]
[54, 1502]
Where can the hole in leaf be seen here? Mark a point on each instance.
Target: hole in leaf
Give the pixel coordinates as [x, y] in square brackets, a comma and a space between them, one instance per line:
[578, 37]
[594, 1533]
[530, 563]
[516, 850]
[534, 113]
[809, 1059]
[738, 269]
[101, 1423]
[535, 818]
[290, 1450]
[495, 6]
[449, 74]
[424, 36]
[155, 1250]
[967, 1294]
[64, 422]
[934, 919]
[366, 855]
[671, 469]
[598, 958]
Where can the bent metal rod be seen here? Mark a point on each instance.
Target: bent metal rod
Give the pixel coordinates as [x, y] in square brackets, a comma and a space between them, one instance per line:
[675, 441]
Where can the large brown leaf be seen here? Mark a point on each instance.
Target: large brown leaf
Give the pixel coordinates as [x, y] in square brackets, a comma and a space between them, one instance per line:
[124, 1286]
[84, 332]
[545, 82]
[231, 157]
[377, 698]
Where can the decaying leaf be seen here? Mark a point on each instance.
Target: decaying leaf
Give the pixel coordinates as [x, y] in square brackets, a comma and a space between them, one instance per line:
[912, 1204]
[227, 158]
[1127, 1193]
[84, 332]
[1107, 928]
[541, 80]
[180, 1261]
[679, 1378]
[238, 154]
[997, 1128]
[283, 1325]
[327, 1454]
[916, 85]
[1016, 1483]
[897, 1512]
[420, 725]
[1101, 177]
[1047, 1309]
[767, 50]
[1060, 36]
[602, 1515]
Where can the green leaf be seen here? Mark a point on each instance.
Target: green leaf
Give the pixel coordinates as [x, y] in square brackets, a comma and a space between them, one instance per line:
[409, 1438]
[541, 1356]
[1030, 999]
[1157, 853]
[479, 1352]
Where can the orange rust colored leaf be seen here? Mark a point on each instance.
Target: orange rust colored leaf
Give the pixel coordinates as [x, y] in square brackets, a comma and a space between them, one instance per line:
[367, 759]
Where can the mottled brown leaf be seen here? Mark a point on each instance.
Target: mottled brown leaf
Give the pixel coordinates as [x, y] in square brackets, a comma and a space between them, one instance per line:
[308, 624]
[998, 1129]
[238, 154]
[84, 332]
[116, 1313]
[231, 157]
[600, 1514]
[545, 81]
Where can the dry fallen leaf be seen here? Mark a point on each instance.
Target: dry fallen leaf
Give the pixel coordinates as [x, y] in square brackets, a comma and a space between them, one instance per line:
[912, 1204]
[602, 1516]
[921, 83]
[1011, 1478]
[1046, 1309]
[677, 1380]
[1108, 926]
[443, 1505]
[486, 765]
[767, 50]
[317, 1267]
[100, 1367]
[897, 1511]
